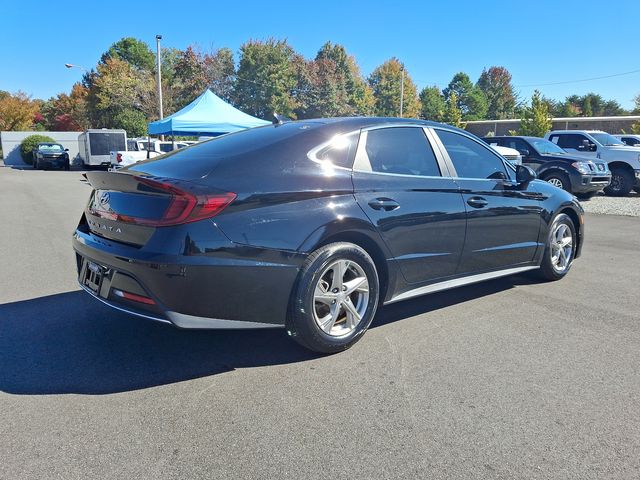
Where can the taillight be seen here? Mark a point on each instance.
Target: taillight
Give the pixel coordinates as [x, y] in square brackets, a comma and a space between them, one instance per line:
[184, 207]
[118, 157]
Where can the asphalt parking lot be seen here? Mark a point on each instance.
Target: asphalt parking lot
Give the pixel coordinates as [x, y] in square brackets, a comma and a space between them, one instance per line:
[506, 379]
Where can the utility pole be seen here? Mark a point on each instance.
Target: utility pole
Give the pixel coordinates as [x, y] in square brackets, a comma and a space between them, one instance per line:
[159, 82]
[402, 92]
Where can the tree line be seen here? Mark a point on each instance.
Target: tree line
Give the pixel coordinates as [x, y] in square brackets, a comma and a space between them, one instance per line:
[270, 76]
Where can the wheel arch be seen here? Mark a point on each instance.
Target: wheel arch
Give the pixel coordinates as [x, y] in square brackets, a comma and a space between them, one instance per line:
[576, 219]
[549, 171]
[622, 165]
[370, 246]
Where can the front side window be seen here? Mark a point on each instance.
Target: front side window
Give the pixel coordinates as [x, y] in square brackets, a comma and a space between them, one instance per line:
[470, 158]
[401, 151]
[569, 140]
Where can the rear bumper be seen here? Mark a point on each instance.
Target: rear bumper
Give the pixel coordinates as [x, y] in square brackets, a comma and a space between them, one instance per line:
[229, 287]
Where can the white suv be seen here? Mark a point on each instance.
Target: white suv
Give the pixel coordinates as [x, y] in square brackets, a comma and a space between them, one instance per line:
[623, 161]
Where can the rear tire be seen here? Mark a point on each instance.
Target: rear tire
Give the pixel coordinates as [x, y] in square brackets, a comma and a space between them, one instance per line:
[560, 249]
[560, 180]
[621, 182]
[335, 299]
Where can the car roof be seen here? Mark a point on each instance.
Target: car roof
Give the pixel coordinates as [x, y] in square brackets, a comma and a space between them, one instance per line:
[364, 122]
[577, 131]
[524, 137]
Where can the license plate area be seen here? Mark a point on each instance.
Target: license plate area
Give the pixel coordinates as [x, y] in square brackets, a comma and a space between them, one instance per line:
[93, 274]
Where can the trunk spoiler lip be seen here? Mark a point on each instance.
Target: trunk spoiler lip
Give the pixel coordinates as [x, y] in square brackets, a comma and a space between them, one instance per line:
[100, 180]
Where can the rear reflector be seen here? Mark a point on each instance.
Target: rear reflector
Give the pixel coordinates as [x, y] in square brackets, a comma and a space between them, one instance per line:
[118, 157]
[133, 297]
[184, 206]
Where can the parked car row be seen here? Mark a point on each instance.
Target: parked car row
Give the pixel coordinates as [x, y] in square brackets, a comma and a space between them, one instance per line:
[578, 175]
[139, 149]
[623, 160]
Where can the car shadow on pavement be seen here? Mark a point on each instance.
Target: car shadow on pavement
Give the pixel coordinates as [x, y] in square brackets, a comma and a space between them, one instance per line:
[70, 343]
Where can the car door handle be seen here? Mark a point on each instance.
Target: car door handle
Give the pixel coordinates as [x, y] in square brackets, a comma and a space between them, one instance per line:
[386, 204]
[477, 202]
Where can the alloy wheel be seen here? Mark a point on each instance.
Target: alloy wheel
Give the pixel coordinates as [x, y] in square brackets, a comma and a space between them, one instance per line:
[340, 298]
[561, 247]
[556, 182]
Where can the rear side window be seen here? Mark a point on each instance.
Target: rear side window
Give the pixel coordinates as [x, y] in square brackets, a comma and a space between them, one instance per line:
[401, 150]
[339, 151]
[470, 158]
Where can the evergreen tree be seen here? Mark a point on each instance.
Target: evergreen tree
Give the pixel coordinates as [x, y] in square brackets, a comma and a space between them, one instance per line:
[536, 121]
[432, 104]
[471, 101]
[267, 77]
[385, 81]
[452, 114]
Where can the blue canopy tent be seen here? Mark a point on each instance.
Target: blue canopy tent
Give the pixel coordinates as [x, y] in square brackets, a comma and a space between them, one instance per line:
[206, 115]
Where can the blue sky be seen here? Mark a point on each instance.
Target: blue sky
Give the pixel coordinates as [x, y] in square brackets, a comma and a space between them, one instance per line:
[539, 42]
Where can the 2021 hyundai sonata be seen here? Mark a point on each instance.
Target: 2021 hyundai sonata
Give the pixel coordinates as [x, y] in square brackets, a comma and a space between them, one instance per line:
[311, 225]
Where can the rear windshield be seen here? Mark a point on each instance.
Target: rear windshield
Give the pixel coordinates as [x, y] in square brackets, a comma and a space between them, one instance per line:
[198, 160]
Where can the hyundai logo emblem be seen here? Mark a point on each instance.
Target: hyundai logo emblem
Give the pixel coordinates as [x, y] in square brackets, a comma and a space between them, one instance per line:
[104, 198]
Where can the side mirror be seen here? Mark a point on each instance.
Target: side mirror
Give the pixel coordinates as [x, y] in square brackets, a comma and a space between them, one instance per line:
[525, 174]
[524, 152]
[593, 147]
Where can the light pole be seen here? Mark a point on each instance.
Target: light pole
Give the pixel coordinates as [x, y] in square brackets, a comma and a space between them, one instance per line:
[402, 92]
[159, 76]
[71, 65]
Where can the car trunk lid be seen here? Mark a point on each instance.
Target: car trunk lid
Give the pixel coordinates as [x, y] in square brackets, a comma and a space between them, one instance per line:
[129, 207]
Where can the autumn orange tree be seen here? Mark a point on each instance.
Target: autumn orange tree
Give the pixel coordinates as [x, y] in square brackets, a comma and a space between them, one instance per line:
[17, 111]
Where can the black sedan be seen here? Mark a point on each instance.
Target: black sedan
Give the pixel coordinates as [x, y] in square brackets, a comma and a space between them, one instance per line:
[311, 225]
[48, 155]
[584, 177]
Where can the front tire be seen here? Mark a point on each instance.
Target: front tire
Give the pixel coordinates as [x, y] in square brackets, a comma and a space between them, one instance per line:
[560, 249]
[335, 299]
[559, 180]
[621, 182]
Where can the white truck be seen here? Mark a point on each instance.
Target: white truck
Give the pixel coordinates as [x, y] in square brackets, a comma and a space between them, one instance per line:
[509, 153]
[95, 145]
[623, 161]
[139, 149]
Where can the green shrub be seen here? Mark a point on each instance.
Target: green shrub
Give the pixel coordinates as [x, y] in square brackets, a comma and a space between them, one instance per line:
[29, 143]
